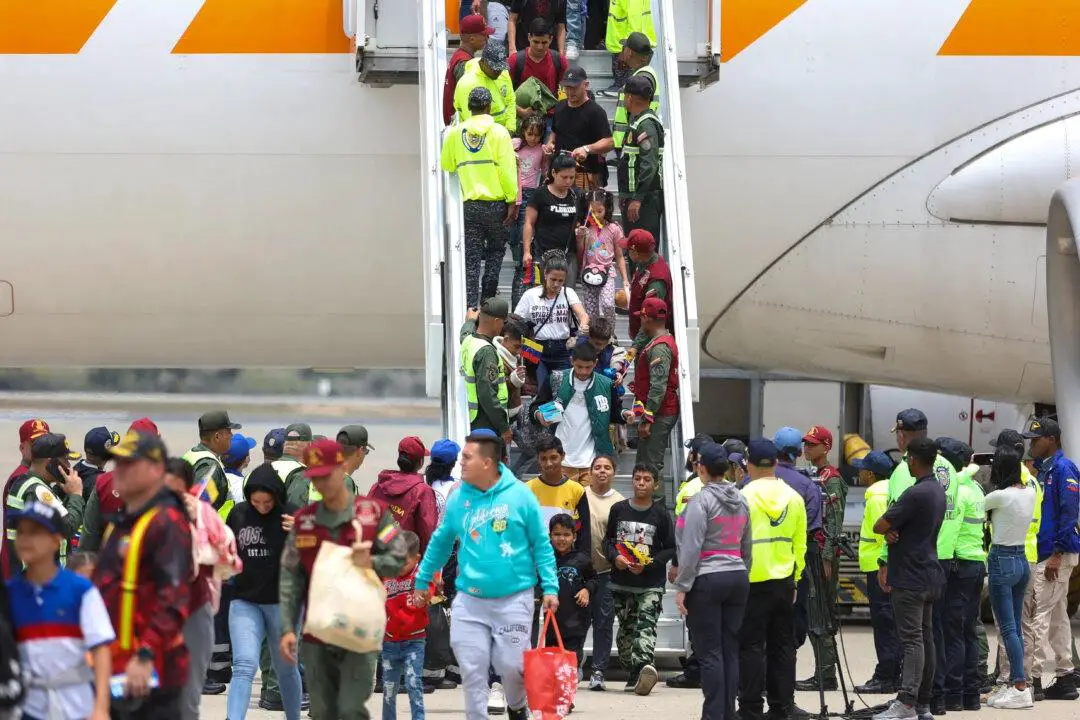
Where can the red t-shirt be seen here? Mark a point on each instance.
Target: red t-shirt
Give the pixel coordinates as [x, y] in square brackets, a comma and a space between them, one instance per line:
[544, 71]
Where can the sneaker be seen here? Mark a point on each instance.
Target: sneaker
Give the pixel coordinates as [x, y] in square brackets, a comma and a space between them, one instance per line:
[990, 697]
[1063, 688]
[596, 681]
[923, 712]
[213, 688]
[811, 684]
[631, 681]
[897, 711]
[682, 681]
[572, 52]
[1013, 699]
[611, 91]
[877, 686]
[446, 684]
[305, 702]
[496, 700]
[270, 705]
[519, 714]
[937, 707]
[646, 680]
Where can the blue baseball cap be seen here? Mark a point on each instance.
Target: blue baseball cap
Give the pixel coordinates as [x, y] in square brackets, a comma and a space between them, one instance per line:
[98, 441]
[762, 452]
[737, 459]
[712, 454]
[876, 462]
[911, 420]
[274, 441]
[445, 451]
[44, 515]
[241, 447]
[788, 438]
[957, 452]
[485, 432]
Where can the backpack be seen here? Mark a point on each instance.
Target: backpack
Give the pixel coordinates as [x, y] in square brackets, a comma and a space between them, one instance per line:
[12, 682]
[519, 65]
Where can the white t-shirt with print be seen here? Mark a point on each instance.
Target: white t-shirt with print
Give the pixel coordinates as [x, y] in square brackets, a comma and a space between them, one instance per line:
[533, 306]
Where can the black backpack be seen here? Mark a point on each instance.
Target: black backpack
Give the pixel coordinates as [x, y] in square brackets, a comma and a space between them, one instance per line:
[12, 682]
[519, 65]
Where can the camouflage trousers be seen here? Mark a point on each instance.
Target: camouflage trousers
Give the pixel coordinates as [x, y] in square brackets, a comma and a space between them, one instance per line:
[638, 613]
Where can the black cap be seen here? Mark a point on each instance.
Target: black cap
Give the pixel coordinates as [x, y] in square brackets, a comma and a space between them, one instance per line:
[1009, 438]
[910, 420]
[299, 432]
[217, 420]
[735, 445]
[140, 446]
[761, 452]
[638, 43]
[1042, 427]
[52, 445]
[957, 452]
[574, 76]
[98, 441]
[640, 87]
[712, 454]
[697, 442]
[354, 435]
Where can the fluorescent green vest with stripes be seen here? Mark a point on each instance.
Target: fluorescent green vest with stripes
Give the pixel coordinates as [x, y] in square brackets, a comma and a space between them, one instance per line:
[18, 501]
[622, 118]
[193, 457]
[469, 347]
[631, 151]
[285, 468]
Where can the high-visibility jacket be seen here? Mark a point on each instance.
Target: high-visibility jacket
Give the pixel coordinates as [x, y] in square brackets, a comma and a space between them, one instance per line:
[876, 502]
[503, 100]
[641, 170]
[1031, 540]
[687, 490]
[778, 529]
[218, 496]
[971, 506]
[469, 347]
[945, 474]
[621, 121]
[625, 17]
[482, 154]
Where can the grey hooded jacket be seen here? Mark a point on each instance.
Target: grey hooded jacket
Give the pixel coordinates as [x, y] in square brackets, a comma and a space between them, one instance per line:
[713, 534]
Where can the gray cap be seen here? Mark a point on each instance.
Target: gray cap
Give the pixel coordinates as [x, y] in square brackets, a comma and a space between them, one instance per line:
[479, 98]
[299, 431]
[495, 56]
[354, 435]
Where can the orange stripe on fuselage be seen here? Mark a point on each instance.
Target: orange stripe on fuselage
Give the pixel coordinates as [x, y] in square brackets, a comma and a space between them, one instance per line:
[266, 27]
[743, 22]
[49, 27]
[1016, 28]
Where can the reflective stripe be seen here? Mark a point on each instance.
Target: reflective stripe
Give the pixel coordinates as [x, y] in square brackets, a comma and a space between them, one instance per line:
[868, 540]
[475, 162]
[621, 121]
[15, 502]
[975, 520]
[713, 553]
[11, 534]
[771, 540]
[129, 584]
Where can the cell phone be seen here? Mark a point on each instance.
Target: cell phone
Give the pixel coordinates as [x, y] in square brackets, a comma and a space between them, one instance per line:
[118, 684]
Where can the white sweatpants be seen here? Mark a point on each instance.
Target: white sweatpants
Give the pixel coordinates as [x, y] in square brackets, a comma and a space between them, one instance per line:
[491, 632]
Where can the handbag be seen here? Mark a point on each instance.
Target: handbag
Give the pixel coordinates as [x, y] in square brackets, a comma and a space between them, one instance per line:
[594, 277]
[550, 676]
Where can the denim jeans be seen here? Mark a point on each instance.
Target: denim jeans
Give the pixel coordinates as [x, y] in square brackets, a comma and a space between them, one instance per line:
[555, 357]
[1009, 572]
[248, 624]
[603, 619]
[403, 659]
[576, 12]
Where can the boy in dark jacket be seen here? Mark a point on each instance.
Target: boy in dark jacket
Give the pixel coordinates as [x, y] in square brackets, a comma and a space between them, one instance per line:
[577, 584]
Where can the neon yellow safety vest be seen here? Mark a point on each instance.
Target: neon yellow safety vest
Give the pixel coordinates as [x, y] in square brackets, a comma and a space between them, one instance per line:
[193, 457]
[971, 505]
[469, 347]
[1031, 540]
[621, 122]
[481, 153]
[625, 17]
[19, 501]
[503, 101]
[689, 489]
[876, 502]
[778, 529]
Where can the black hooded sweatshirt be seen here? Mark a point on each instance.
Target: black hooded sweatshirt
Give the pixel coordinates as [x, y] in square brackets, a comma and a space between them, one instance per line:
[259, 539]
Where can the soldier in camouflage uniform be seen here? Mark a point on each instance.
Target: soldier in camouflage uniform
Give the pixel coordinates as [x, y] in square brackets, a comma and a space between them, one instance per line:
[655, 385]
[817, 443]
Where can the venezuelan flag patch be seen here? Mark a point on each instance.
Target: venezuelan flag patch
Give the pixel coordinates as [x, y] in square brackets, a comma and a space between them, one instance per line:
[388, 533]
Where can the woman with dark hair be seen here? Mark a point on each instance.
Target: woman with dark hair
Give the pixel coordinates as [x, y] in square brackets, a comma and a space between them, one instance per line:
[1009, 509]
[551, 217]
[556, 313]
[404, 491]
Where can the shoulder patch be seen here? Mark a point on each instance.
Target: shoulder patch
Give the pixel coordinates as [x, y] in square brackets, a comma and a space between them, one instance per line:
[47, 497]
[492, 373]
[943, 476]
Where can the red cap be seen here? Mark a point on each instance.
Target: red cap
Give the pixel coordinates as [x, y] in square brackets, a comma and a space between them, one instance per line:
[413, 448]
[144, 425]
[474, 25]
[33, 429]
[653, 307]
[640, 240]
[818, 435]
[322, 457]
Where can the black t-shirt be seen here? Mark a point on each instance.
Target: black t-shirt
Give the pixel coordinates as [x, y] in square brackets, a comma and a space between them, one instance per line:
[916, 517]
[556, 219]
[554, 11]
[259, 542]
[583, 125]
[650, 531]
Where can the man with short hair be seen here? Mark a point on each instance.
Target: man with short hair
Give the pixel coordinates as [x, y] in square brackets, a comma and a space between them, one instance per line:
[485, 381]
[655, 386]
[503, 547]
[631, 60]
[491, 72]
[767, 636]
[480, 153]
[641, 184]
[354, 443]
[298, 489]
[1058, 545]
[559, 493]
[473, 33]
[154, 529]
[215, 439]
[537, 60]
[96, 446]
[914, 577]
[580, 127]
[525, 13]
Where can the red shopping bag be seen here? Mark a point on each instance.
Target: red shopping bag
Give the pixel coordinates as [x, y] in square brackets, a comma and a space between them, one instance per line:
[550, 676]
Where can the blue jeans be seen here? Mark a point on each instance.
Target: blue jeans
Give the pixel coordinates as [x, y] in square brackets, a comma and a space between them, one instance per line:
[603, 620]
[554, 357]
[576, 12]
[248, 624]
[403, 658]
[1009, 572]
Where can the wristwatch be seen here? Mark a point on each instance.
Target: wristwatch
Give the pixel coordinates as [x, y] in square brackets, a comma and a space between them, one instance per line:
[145, 654]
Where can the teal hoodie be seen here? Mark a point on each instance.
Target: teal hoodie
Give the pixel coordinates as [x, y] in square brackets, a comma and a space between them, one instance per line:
[503, 540]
